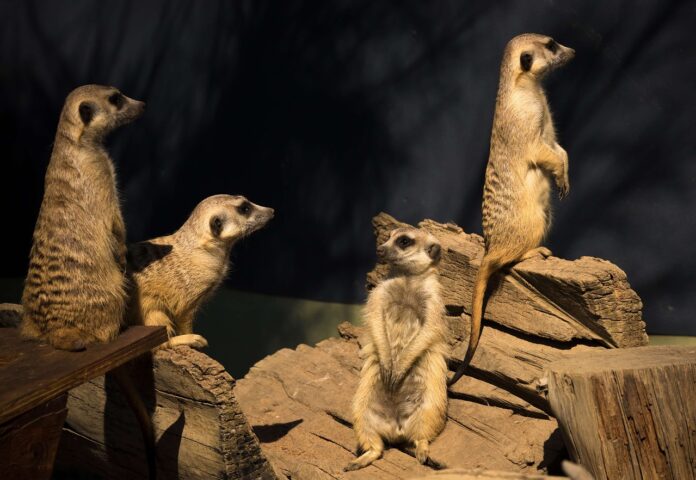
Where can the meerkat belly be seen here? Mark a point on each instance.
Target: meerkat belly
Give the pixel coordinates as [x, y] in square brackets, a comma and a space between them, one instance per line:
[403, 326]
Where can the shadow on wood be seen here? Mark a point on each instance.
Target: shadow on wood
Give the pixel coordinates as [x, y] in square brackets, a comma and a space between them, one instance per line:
[201, 431]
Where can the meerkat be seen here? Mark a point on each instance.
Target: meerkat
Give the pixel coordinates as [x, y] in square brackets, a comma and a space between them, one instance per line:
[402, 394]
[172, 276]
[74, 293]
[524, 158]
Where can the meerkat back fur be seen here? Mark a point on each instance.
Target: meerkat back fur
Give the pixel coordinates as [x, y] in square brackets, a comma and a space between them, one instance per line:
[402, 393]
[74, 291]
[172, 276]
[524, 158]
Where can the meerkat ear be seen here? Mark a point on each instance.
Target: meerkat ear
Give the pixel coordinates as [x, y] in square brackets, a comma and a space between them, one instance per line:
[526, 60]
[434, 251]
[86, 110]
[216, 226]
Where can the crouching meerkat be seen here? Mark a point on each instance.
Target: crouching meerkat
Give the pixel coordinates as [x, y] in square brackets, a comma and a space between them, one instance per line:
[524, 159]
[172, 276]
[74, 293]
[402, 394]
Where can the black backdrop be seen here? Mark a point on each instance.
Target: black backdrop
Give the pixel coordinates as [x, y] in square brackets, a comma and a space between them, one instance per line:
[331, 111]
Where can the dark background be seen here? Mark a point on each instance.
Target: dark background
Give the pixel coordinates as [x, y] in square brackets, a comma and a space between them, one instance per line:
[331, 111]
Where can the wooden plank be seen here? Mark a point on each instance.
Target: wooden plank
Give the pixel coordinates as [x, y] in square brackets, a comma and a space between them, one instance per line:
[28, 442]
[628, 413]
[200, 430]
[36, 372]
[557, 299]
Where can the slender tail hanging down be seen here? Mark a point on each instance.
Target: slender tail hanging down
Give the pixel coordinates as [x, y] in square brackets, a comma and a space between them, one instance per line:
[486, 270]
[125, 383]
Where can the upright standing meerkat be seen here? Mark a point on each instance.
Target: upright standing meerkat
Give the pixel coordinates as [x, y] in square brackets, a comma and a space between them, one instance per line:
[74, 293]
[402, 394]
[524, 158]
[172, 276]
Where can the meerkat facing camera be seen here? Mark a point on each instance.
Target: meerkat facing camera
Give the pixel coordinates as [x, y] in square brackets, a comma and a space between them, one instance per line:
[74, 291]
[524, 158]
[172, 276]
[402, 394]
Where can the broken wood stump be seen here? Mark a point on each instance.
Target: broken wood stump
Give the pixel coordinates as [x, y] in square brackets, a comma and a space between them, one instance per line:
[628, 414]
[200, 430]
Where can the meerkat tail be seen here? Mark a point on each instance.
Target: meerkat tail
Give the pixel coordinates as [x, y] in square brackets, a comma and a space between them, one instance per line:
[486, 270]
[133, 398]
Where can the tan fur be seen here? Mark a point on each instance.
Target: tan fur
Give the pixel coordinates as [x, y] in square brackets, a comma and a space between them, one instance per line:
[402, 394]
[524, 158]
[174, 275]
[74, 291]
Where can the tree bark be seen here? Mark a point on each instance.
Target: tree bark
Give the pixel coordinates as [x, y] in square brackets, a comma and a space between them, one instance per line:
[628, 414]
[201, 431]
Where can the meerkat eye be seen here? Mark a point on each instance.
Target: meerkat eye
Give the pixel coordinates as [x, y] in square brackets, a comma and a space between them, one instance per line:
[216, 226]
[86, 110]
[244, 209]
[552, 46]
[526, 60]
[404, 242]
[116, 99]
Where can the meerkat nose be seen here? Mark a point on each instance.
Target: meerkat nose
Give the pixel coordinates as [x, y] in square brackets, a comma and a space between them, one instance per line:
[381, 251]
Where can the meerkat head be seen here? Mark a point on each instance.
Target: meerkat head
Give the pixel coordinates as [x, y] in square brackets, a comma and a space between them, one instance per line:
[410, 250]
[535, 55]
[224, 219]
[93, 111]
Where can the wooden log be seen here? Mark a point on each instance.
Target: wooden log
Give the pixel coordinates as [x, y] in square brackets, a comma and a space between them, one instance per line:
[466, 474]
[562, 300]
[628, 414]
[201, 431]
[299, 404]
[513, 362]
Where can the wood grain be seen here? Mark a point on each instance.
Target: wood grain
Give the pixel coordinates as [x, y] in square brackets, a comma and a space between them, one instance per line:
[630, 413]
[201, 432]
[556, 299]
[28, 442]
[33, 373]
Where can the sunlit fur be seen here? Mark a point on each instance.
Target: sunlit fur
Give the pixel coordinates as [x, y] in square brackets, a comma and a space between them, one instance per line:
[172, 276]
[524, 158]
[402, 394]
[74, 291]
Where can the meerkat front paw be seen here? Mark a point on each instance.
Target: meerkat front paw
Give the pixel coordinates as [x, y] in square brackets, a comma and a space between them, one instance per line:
[191, 340]
[563, 186]
[562, 181]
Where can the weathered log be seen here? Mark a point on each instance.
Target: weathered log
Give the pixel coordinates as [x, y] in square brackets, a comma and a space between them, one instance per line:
[201, 431]
[628, 414]
[465, 474]
[299, 404]
[561, 300]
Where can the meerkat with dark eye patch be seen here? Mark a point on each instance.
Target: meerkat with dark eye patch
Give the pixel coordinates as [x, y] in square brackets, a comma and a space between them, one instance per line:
[74, 293]
[524, 158]
[402, 394]
[173, 276]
